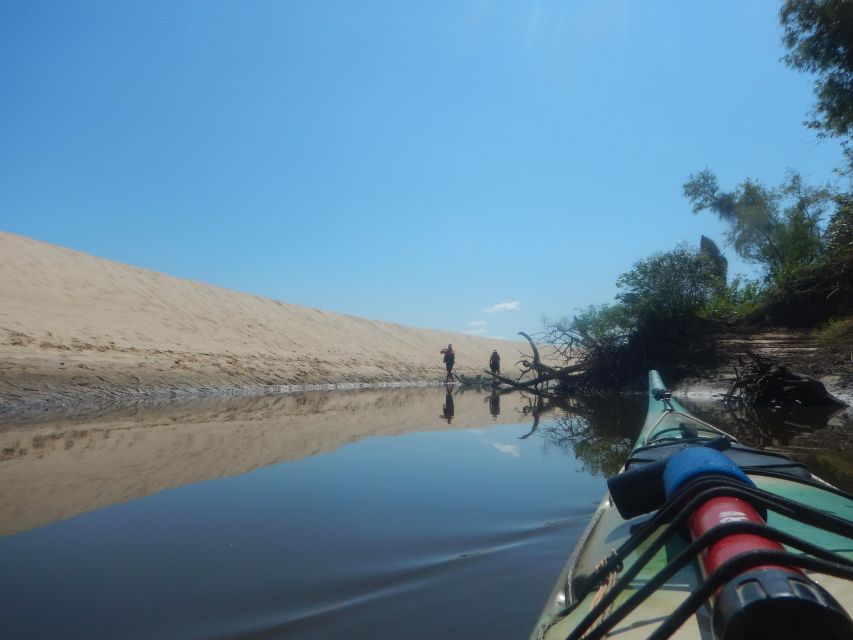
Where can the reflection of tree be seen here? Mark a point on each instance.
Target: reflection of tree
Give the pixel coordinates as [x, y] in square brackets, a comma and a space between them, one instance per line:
[819, 437]
[600, 454]
[764, 426]
[535, 407]
[598, 430]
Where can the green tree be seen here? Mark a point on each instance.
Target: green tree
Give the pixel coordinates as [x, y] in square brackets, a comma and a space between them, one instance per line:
[666, 291]
[839, 231]
[601, 324]
[819, 38]
[669, 288]
[779, 229]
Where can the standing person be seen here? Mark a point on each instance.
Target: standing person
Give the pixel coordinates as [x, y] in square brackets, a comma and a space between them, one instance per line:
[495, 363]
[449, 361]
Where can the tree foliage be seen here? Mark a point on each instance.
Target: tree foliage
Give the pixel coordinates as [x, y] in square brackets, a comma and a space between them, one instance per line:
[601, 324]
[819, 38]
[660, 306]
[668, 287]
[664, 291]
[777, 228]
[739, 299]
[839, 231]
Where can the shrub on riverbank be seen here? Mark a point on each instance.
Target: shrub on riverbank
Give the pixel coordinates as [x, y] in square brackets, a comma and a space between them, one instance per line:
[836, 334]
[673, 307]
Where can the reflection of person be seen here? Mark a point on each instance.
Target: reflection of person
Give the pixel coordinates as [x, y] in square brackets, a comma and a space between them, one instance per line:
[495, 405]
[495, 363]
[449, 361]
[447, 409]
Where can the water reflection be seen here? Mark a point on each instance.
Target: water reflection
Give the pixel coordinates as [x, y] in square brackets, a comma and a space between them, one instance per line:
[598, 430]
[286, 517]
[52, 469]
[820, 437]
[765, 426]
[296, 516]
[534, 407]
[495, 404]
[447, 410]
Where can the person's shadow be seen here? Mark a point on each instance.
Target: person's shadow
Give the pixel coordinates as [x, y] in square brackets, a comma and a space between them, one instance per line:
[447, 409]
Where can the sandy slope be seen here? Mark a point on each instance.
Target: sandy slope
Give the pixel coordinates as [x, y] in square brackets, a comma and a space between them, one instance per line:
[73, 326]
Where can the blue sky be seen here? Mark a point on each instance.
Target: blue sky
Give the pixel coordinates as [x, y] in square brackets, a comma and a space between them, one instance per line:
[416, 162]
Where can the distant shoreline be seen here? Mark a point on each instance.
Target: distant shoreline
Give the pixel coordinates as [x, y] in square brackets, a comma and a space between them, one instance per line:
[75, 328]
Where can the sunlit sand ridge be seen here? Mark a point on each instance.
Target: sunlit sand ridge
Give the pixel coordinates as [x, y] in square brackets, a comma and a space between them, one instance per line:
[80, 327]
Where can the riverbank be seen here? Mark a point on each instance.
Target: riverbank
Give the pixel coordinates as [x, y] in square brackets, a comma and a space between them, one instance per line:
[798, 349]
[77, 329]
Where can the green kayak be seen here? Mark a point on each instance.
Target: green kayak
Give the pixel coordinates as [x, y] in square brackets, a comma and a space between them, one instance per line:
[699, 536]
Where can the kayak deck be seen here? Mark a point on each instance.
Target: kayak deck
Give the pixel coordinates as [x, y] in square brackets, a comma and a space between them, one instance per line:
[609, 531]
[668, 426]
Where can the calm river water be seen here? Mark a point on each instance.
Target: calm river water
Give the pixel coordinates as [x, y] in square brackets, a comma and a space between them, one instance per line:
[407, 513]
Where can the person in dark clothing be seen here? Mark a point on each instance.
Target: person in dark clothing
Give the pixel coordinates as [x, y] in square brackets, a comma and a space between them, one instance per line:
[495, 363]
[449, 361]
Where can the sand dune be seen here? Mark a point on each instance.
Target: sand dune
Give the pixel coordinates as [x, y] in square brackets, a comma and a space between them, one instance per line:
[74, 327]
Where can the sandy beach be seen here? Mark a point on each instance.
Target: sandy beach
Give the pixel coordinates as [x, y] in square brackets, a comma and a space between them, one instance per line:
[75, 328]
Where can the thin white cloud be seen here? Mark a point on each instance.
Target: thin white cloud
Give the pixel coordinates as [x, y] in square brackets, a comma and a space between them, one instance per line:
[515, 305]
[509, 449]
[476, 323]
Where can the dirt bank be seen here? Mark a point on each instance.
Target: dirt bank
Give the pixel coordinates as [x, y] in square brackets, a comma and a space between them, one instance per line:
[797, 348]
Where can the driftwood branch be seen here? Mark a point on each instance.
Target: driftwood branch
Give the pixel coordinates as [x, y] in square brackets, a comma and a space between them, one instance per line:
[518, 384]
[766, 382]
[536, 358]
[535, 373]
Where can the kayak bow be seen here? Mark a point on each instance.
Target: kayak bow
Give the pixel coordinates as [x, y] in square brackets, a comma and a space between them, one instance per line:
[702, 537]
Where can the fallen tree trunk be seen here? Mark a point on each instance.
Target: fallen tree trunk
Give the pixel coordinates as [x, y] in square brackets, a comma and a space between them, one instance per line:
[526, 384]
[543, 372]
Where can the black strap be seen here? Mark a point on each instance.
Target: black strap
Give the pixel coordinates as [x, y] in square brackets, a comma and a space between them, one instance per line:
[682, 506]
[687, 555]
